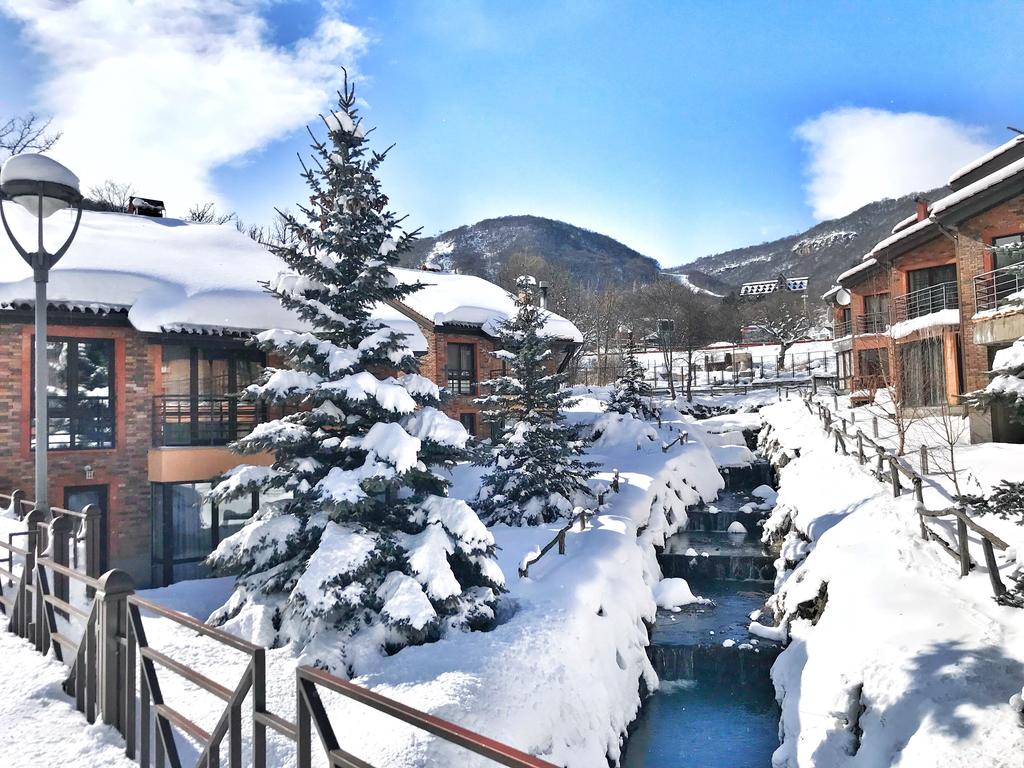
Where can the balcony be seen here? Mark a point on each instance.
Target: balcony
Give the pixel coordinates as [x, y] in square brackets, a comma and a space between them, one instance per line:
[925, 301]
[181, 420]
[999, 288]
[877, 322]
[841, 329]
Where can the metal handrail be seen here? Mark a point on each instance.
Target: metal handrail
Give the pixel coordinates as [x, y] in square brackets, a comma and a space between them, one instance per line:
[875, 322]
[183, 420]
[993, 290]
[841, 329]
[311, 713]
[925, 301]
[580, 514]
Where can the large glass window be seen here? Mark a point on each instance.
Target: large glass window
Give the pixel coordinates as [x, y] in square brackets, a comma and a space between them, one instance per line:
[80, 393]
[1007, 251]
[200, 404]
[187, 527]
[461, 368]
[873, 362]
[924, 372]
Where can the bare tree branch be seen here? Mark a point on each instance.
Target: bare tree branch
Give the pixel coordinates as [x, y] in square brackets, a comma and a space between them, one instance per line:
[27, 132]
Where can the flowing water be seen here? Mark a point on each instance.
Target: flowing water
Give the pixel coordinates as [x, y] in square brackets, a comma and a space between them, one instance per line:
[716, 705]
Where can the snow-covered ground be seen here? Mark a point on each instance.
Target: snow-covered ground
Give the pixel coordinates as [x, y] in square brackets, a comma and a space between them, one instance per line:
[908, 664]
[561, 675]
[39, 725]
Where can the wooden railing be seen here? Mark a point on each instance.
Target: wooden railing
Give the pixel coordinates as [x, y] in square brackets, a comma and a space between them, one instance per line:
[115, 674]
[892, 469]
[579, 515]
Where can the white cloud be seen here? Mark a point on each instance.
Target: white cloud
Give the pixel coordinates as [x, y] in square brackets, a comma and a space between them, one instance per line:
[857, 155]
[161, 92]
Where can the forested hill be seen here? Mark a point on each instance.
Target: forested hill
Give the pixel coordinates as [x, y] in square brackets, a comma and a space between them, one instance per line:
[821, 252]
[483, 248]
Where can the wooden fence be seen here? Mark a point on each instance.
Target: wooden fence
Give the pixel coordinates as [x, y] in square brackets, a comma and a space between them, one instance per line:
[115, 673]
[890, 468]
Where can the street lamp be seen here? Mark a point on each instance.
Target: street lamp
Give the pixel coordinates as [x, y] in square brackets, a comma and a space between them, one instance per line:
[41, 186]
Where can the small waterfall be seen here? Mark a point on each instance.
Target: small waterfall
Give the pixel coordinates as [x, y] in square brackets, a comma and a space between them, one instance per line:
[699, 568]
[715, 663]
[742, 478]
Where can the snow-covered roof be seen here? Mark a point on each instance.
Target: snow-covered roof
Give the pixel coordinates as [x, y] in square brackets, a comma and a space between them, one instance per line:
[979, 186]
[169, 275]
[904, 223]
[988, 157]
[451, 299]
[865, 266]
[901, 235]
[176, 276]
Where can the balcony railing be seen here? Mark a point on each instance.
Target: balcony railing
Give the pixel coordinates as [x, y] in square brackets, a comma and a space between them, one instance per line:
[840, 329]
[877, 322]
[999, 288]
[181, 420]
[935, 298]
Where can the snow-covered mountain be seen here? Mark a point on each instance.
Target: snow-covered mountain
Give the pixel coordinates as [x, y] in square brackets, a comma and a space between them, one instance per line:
[482, 248]
[821, 252]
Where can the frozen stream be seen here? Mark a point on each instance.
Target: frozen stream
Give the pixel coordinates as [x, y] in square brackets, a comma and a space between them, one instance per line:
[716, 705]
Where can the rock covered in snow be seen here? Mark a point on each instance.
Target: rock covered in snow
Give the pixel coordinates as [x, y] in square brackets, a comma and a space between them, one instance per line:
[737, 527]
[674, 593]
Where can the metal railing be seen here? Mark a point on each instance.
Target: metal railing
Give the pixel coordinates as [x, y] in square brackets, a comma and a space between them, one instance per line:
[840, 329]
[925, 301]
[890, 468]
[182, 420]
[993, 290]
[876, 322]
[115, 674]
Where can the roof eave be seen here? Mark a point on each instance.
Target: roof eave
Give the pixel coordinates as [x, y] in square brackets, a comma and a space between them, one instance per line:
[983, 201]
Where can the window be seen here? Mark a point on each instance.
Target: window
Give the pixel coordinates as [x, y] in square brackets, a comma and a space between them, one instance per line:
[924, 373]
[187, 527]
[1008, 251]
[200, 404]
[873, 362]
[876, 313]
[461, 368]
[80, 393]
[468, 420]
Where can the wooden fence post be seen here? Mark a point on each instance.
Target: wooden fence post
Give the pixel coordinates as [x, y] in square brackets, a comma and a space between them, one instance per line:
[615, 480]
[924, 459]
[894, 476]
[112, 625]
[964, 544]
[259, 706]
[998, 588]
[874, 427]
[919, 506]
[561, 542]
[835, 402]
[881, 459]
[32, 520]
[860, 447]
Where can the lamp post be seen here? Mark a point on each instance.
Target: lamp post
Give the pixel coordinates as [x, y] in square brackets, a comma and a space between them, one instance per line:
[41, 186]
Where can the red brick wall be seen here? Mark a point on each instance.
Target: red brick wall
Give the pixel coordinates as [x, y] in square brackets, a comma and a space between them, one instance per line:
[974, 259]
[123, 469]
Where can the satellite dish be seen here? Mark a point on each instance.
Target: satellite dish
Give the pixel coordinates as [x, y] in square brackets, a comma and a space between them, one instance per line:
[843, 297]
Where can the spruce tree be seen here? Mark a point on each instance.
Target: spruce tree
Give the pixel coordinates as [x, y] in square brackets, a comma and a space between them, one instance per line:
[1007, 384]
[535, 468]
[632, 394]
[368, 554]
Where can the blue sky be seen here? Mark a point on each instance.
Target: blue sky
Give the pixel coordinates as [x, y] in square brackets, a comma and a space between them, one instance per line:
[678, 128]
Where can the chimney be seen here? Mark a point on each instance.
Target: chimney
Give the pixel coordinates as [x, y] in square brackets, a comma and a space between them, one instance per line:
[922, 208]
[542, 299]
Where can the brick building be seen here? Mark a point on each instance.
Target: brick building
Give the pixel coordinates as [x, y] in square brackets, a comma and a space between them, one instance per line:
[149, 319]
[951, 277]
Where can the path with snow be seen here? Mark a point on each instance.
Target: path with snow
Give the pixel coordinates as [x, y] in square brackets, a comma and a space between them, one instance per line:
[40, 725]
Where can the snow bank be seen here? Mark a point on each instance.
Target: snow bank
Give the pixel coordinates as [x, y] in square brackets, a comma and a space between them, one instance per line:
[893, 660]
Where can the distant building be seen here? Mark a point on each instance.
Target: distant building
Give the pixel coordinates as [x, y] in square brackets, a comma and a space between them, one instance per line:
[765, 287]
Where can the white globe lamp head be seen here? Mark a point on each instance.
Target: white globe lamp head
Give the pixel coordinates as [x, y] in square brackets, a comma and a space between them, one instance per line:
[39, 184]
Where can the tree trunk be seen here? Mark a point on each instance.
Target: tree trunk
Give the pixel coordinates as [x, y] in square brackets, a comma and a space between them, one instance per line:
[780, 363]
[666, 357]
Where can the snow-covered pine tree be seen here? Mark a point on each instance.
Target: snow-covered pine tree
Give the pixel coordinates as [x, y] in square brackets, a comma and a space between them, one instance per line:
[368, 554]
[632, 394]
[1007, 384]
[535, 468]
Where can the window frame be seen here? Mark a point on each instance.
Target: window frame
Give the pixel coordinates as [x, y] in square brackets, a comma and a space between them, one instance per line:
[464, 380]
[72, 410]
